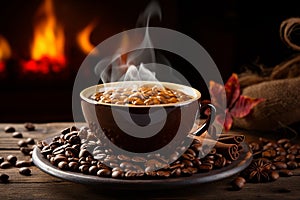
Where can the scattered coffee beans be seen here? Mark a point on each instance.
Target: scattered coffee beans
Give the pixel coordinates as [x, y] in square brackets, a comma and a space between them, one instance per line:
[9, 129]
[145, 95]
[5, 165]
[238, 183]
[29, 126]
[4, 178]
[272, 159]
[17, 135]
[11, 159]
[25, 171]
[23, 163]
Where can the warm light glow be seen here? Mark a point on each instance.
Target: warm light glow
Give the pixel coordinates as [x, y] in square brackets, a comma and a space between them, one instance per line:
[83, 38]
[48, 37]
[5, 51]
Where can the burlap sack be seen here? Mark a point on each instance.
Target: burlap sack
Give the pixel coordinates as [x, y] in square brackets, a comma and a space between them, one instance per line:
[281, 107]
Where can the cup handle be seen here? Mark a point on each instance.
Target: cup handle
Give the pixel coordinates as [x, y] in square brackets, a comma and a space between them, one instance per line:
[211, 118]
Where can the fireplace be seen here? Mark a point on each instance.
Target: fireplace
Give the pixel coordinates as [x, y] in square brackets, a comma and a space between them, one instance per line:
[43, 43]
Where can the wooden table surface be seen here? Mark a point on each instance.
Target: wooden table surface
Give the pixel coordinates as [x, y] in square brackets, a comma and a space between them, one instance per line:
[43, 186]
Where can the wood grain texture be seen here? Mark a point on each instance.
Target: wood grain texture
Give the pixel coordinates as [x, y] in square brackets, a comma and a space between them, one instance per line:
[43, 186]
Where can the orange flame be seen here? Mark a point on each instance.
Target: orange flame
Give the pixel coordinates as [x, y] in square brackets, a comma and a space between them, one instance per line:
[48, 35]
[83, 38]
[47, 49]
[5, 52]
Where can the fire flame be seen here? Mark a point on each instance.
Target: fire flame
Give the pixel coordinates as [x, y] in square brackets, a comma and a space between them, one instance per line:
[47, 49]
[5, 52]
[83, 38]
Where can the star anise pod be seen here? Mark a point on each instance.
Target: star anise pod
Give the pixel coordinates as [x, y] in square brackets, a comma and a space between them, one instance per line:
[258, 171]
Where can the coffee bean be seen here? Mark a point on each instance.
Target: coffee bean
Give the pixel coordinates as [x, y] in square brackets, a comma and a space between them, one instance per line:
[205, 167]
[271, 144]
[254, 146]
[238, 183]
[17, 135]
[29, 126]
[285, 173]
[104, 173]
[83, 162]
[292, 165]
[188, 156]
[269, 153]
[5, 165]
[26, 150]
[197, 147]
[281, 158]
[84, 169]
[138, 159]
[73, 166]
[63, 165]
[25, 171]
[290, 157]
[133, 174]
[280, 151]
[123, 157]
[293, 151]
[283, 141]
[9, 129]
[23, 163]
[280, 165]
[74, 139]
[84, 153]
[12, 159]
[30, 141]
[22, 143]
[274, 175]
[117, 174]
[287, 145]
[93, 170]
[263, 140]
[220, 162]
[4, 178]
[176, 172]
[191, 152]
[58, 158]
[163, 174]
[1, 159]
[187, 163]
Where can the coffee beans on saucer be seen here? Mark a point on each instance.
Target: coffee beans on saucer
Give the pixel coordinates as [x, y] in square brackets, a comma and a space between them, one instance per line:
[81, 150]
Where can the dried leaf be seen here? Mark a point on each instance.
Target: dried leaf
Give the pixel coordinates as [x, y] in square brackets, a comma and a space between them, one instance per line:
[232, 88]
[244, 105]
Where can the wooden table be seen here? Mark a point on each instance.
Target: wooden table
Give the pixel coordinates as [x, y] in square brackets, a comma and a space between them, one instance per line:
[43, 186]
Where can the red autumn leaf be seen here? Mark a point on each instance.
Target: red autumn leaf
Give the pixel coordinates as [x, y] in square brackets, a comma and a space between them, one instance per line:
[244, 105]
[238, 106]
[232, 88]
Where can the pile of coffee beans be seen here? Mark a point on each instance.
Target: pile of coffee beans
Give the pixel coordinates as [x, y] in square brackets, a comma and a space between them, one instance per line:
[272, 159]
[144, 95]
[81, 150]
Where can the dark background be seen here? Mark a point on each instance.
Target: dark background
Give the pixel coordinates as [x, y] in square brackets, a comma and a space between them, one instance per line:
[235, 34]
